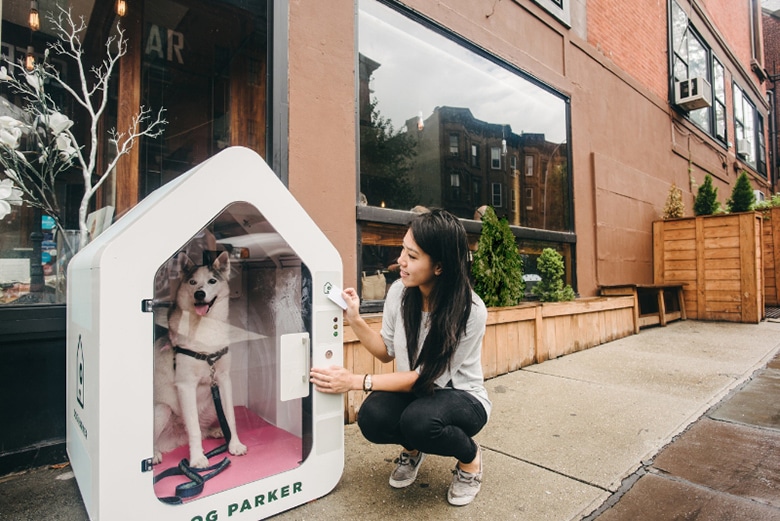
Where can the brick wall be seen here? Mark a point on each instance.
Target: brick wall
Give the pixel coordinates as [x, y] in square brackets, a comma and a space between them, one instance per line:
[732, 19]
[632, 35]
[771, 44]
[772, 57]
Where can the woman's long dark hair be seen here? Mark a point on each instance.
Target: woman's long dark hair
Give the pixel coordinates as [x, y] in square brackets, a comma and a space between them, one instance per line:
[442, 236]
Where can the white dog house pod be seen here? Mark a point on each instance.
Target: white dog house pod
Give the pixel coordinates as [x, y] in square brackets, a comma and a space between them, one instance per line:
[123, 287]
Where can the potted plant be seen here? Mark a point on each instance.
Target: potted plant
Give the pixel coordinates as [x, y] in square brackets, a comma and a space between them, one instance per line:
[497, 268]
[706, 202]
[674, 207]
[742, 197]
[551, 288]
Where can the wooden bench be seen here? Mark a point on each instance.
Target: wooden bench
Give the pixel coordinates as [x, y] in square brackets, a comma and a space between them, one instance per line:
[653, 303]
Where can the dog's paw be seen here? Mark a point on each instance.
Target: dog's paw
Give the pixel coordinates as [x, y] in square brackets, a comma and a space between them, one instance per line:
[157, 457]
[199, 461]
[236, 448]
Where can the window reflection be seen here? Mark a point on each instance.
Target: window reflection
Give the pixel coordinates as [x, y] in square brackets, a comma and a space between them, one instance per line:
[205, 62]
[443, 126]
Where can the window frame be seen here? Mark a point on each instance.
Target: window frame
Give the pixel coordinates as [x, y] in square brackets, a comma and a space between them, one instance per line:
[454, 144]
[497, 190]
[708, 124]
[560, 9]
[749, 123]
[495, 158]
[529, 165]
[719, 102]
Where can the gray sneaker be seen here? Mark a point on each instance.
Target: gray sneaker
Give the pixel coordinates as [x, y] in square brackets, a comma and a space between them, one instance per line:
[406, 469]
[464, 486]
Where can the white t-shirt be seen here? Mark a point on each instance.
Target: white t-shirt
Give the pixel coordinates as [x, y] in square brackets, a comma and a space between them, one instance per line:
[465, 369]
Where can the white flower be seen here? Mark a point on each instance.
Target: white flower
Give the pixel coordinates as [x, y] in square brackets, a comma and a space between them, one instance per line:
[9, 137]
[5, 209]
[4, 74]
[9, 195]
[58, 123]
[11, 173]
[65, 146]
[34, 81]
[9, 122]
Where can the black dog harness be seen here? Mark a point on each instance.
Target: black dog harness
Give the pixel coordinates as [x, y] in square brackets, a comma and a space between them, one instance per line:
[209, 358]
[197, 479]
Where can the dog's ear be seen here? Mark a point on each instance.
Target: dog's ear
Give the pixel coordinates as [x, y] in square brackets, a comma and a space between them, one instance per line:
[222, 263]
[187, 263]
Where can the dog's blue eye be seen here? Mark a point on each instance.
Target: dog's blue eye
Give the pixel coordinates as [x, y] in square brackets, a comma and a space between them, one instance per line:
[212, 281]
[193, 282]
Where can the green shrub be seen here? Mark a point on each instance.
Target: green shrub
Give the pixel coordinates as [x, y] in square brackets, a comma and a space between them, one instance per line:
[769, 203]
[706, 202]
[551, 269]
[742, 197]
[497, 266]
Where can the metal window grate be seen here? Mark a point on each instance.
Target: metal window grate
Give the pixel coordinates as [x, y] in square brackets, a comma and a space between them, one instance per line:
[772, 312]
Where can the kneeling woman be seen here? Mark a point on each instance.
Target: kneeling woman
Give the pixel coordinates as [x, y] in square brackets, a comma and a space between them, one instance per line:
[436, 401]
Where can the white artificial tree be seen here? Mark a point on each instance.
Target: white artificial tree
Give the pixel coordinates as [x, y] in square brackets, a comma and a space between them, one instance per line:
[50, 148]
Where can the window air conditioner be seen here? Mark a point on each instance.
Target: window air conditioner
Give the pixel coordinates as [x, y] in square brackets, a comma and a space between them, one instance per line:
[743, 148]
[759, 196]
[693, 93]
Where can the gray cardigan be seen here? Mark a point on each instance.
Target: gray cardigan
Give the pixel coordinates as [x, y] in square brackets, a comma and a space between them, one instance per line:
[465, 370]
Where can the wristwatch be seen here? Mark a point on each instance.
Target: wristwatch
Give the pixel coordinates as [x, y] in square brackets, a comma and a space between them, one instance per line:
[367, 383]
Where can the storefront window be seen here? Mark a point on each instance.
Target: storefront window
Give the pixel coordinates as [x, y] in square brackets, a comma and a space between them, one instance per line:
[423, 94]
[204, 62]
[414, 112]
[36, 240]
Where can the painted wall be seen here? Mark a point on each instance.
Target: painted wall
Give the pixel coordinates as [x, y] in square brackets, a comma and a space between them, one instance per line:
[322, 146]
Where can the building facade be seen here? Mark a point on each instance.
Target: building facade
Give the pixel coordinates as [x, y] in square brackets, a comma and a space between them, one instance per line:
[572, 118]
[566, 116]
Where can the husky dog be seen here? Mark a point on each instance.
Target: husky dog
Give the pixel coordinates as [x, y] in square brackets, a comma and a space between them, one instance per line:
[189, 360]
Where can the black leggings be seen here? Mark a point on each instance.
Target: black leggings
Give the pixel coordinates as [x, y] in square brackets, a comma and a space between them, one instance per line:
[441, 424]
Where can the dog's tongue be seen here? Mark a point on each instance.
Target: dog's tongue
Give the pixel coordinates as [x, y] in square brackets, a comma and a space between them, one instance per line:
[201, 309]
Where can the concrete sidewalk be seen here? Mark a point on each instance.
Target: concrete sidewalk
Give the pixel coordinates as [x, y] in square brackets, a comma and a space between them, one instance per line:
[566, 439]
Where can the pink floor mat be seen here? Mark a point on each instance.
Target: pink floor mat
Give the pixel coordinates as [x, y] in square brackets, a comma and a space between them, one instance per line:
[270, 451]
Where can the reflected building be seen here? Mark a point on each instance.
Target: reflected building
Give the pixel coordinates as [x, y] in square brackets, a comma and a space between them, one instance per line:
[463, 163]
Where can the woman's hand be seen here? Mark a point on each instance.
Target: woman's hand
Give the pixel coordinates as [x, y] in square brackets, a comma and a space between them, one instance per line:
[352, 299]
[333, 379]
[370, 339]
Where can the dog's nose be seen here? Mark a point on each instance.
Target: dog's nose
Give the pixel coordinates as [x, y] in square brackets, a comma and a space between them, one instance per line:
[200, 294]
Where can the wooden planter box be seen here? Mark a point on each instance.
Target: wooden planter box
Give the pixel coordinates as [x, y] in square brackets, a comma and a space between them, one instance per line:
[772, 257]
[516, 337]
[719, 258]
